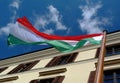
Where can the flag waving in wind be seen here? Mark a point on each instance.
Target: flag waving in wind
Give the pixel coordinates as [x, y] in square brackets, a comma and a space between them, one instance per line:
[25, 33]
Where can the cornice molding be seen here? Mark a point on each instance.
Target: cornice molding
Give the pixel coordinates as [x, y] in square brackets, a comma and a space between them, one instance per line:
[51, 72]
[8, 79]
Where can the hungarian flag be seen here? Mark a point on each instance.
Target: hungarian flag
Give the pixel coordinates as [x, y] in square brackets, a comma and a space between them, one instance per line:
[25, 33]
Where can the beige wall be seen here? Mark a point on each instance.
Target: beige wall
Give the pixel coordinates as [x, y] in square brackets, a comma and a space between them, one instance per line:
[8, 70]
[42, 63]
[84, 55]
[76, 72]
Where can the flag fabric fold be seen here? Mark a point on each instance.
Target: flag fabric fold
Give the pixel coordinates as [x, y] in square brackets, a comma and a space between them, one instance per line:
[25, 33]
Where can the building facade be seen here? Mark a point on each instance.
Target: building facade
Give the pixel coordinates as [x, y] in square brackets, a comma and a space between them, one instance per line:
[52, 66]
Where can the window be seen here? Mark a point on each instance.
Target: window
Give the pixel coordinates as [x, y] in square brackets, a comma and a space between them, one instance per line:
[43, 81]
[112, 76]
[59, 60]
[111, 50]
[91, 77]
[57, 79]
[23, 67]
[2, 69]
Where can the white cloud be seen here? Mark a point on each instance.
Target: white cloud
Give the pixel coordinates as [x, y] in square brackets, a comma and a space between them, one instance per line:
[89, 11]
[15, 4]
[6, 29]
[14, 16]
[106, 21]
[14, 7]
[40, 22]
[53, 16]
[56, 18]
[53, 13]
[49, 31]
[90, 22]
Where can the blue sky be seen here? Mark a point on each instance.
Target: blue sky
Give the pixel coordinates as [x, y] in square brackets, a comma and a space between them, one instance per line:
[58, 17]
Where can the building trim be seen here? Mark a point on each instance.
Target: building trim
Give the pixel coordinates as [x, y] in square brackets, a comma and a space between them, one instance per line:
[64, 66]
[51, 72]
[112, 62]
[9, 79]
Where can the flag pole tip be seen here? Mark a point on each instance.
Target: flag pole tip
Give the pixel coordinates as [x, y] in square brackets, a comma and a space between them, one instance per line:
[105, 30]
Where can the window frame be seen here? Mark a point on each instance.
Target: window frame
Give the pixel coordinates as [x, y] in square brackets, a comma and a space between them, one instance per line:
[112, 49]
[107, 47]
[17, 69]
[114, 76]
[91, 77]
[57, 79]
[55, 60]
[3, 69]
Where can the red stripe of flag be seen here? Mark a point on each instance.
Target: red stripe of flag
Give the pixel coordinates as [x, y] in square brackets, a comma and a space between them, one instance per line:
[24, 21]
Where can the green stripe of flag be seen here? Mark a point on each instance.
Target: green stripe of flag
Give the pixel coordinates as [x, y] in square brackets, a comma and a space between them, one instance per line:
[60, 45]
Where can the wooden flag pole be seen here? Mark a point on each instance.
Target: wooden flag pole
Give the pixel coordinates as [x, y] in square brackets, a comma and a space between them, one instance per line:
[100, 65]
